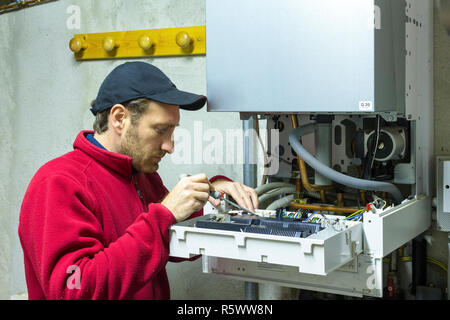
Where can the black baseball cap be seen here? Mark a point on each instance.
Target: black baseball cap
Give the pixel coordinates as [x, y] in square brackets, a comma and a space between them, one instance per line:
[133, 80]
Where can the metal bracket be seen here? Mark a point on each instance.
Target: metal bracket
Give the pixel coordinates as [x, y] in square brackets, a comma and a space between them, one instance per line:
[389, 116]
[245, 115]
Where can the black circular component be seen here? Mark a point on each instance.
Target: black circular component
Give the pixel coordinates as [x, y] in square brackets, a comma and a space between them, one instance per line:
[385, 146]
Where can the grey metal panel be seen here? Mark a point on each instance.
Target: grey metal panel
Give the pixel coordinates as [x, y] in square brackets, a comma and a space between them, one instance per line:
[390, 51]
[289, 55]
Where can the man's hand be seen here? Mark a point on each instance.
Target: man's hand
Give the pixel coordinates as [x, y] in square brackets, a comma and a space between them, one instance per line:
[243, 195]
[189, 195]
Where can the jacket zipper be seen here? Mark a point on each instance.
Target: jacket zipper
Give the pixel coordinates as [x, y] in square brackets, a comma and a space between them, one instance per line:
[141, 198]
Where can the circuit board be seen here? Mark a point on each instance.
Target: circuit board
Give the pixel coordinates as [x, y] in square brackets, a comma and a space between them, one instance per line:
[279, 226]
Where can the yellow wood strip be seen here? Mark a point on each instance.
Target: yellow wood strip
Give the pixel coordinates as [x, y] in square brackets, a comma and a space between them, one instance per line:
[126, 44]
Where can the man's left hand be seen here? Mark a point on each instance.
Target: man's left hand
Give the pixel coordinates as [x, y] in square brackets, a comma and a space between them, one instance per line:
[243, 195]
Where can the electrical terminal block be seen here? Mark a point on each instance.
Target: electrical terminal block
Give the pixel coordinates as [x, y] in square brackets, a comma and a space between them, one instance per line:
[233, 221]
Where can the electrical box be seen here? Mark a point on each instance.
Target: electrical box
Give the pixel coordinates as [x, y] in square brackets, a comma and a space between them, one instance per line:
[306, 56]
[443, 193]
[318, 253]
[343, 257]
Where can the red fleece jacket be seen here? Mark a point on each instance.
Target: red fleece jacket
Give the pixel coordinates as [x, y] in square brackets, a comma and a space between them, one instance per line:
[86, 234]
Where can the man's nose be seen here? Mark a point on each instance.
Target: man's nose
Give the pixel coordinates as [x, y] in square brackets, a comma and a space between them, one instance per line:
[168, 146]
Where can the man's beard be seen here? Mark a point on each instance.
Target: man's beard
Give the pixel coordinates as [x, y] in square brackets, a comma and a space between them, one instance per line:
[131, 146]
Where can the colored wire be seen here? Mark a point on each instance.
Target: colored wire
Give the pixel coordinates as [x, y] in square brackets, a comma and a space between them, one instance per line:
[430, 260]
[310, 217]
[358, 216]
[354, 214]
[438, 263]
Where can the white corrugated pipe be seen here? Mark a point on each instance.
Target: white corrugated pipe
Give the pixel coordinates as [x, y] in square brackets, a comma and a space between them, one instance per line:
[276, 192]
[270, 186]
[280, 203]
[335, 175]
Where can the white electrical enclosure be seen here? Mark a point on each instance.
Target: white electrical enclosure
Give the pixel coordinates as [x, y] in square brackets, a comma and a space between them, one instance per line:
[387, 230]
[279, 54]
[443, 193]
[360, 277]
[320, 253]
[346, 261]
[445, 187]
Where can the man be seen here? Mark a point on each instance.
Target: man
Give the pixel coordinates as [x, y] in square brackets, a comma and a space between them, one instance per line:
[94, 222]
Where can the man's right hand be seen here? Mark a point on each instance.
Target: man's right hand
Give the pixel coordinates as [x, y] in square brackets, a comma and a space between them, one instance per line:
[189, 195]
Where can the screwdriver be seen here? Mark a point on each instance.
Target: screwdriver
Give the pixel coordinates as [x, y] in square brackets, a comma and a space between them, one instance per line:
[217, 195]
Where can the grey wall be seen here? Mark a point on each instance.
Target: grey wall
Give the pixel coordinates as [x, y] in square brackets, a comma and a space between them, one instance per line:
[441, 88]
[44, 103]
[44, 100]
[438, 246]
[7, 106]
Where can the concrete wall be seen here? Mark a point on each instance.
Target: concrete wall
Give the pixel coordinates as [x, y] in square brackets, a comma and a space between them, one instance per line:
[44, 101]
[7, 107]
[438, 246]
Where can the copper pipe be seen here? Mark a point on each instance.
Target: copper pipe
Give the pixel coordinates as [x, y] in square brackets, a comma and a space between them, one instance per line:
[340, 200]
[322, 207]
[298, 185]
[323, 197]
[362, 194]
[302, 166]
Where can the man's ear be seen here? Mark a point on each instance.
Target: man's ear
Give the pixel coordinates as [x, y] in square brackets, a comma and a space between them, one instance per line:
[118, 117]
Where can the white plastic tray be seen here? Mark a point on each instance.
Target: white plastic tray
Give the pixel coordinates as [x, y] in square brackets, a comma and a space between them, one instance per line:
[318, 254]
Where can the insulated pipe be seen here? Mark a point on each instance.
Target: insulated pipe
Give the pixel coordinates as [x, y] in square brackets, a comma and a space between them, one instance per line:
[337, 176]
[302, 166]
[276, 192]
[323, 142]
[270, 186]
[283, 202]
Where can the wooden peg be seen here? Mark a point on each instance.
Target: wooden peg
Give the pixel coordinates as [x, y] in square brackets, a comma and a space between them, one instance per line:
[183, 39]
[77, 44]
[109, 44]
[145, 42]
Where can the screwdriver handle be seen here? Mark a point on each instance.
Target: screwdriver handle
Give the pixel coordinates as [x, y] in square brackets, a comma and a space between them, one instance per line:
[215, 195]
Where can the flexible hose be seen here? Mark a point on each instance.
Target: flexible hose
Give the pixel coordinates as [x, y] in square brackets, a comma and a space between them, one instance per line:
[270, 186]
[337, 176]
[310, 128]
[276, 192]
[283, 202]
